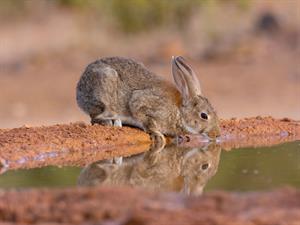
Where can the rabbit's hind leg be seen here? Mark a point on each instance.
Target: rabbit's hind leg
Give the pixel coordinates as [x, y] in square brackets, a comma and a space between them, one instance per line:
[104, 122]
[105, 118]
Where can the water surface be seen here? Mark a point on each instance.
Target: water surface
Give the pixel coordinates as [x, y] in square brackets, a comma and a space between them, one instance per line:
[187, 170]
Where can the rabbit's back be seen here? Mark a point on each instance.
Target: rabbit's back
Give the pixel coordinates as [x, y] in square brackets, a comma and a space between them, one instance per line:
[133, 74]
[110, 82]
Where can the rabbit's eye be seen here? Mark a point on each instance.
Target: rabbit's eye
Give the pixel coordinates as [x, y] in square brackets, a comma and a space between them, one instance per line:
[204, 166]
[204, 116]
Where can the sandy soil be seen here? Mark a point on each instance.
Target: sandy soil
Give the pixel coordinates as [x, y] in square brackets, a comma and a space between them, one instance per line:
[258, 131]
[79, 144]
[75, 144]
[132, 206]
[242, 72]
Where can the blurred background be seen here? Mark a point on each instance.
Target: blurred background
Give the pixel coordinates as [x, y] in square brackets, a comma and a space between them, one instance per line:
[246, 52]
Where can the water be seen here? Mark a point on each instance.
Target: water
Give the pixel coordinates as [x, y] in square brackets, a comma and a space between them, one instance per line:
[250, 169]
[186, 170]
[50, 176]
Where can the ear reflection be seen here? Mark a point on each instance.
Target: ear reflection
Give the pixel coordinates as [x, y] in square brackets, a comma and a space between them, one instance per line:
[174, 168]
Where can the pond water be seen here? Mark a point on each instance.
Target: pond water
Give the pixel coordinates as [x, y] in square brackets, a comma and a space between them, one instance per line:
[187, 170]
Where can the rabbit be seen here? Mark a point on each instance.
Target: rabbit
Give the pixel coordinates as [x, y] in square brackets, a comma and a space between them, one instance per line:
[179, 169]
[117, 90]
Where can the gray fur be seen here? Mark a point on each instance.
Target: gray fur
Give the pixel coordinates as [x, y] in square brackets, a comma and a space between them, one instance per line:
[121, 88]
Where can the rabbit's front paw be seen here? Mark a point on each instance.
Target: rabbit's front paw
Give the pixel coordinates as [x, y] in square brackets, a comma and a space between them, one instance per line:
[158, 140]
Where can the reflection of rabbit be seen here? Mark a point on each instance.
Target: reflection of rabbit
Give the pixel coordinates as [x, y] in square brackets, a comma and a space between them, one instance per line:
[122, 90]
[172, 169]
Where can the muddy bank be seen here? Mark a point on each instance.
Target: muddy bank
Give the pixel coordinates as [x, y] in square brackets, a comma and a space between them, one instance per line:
[258, 126]
[74, 144]
[258, 132]
[132, 206]
[78, 144]
[253, 132]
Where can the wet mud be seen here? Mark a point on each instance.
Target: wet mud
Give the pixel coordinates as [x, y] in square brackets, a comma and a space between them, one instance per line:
[258, 126]
[258, 132]
[75, 144]
[134, 206]
[79, 144]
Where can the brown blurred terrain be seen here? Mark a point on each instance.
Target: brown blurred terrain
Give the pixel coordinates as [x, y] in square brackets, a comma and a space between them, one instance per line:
[128, 206]
[79, 144]
[247, 58]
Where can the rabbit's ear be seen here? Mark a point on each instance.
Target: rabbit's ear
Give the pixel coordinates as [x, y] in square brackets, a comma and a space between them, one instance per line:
[185, 78]
[179, 80]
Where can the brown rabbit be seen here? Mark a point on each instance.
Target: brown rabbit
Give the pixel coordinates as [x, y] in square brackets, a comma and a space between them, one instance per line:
[172, 169]
[126, 92]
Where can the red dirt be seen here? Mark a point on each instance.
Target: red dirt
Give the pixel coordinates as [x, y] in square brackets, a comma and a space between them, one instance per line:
[134, 206]
[78, 144]
[257, 126]
[75, 144]
[258, 131]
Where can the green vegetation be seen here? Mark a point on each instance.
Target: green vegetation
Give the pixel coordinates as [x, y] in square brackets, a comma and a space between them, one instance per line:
[128, 15]
[138, 15]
